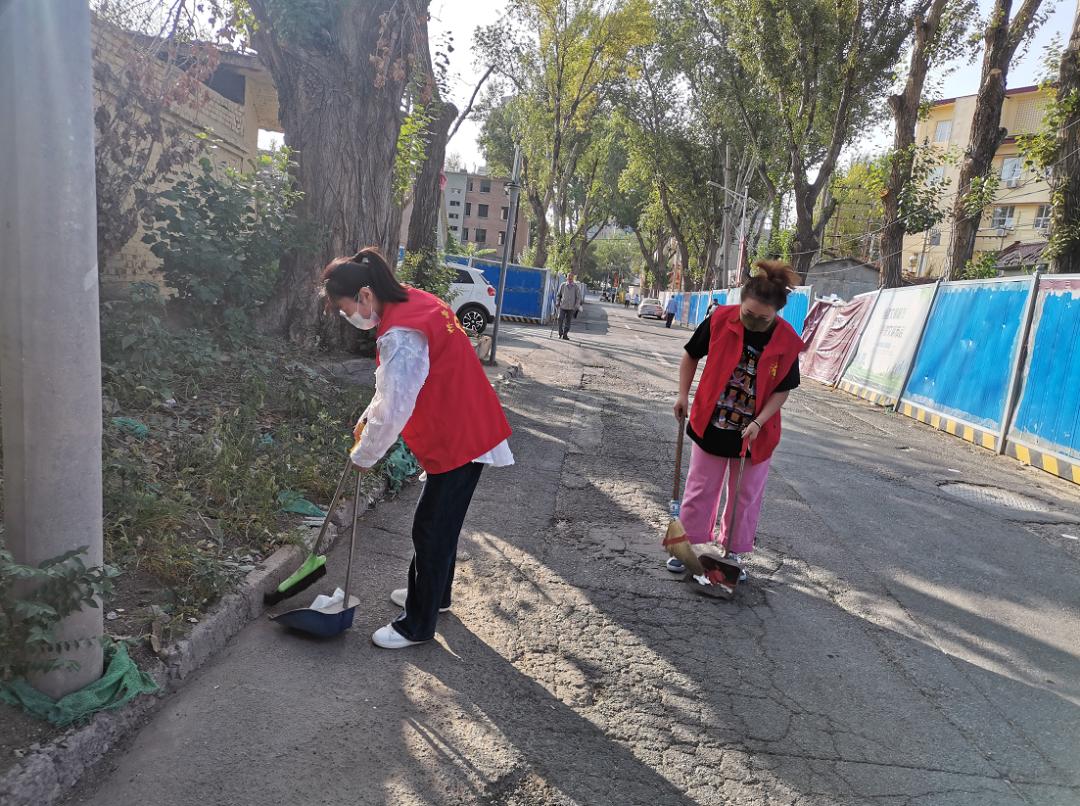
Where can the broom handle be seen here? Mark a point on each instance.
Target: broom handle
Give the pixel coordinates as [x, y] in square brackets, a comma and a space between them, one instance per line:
[352, 538]
[735, 500]
[678, 460]
[333, 506]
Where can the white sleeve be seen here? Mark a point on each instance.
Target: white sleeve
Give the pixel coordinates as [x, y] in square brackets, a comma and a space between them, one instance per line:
[403, 368]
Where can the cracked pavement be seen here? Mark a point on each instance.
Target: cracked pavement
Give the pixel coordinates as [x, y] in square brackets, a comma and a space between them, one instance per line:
[896, 645]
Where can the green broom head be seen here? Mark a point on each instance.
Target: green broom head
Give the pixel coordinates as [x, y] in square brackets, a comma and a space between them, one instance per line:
[314, 568]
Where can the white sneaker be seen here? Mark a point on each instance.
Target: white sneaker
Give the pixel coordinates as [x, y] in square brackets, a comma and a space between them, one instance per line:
[389, 638]
[399, 595]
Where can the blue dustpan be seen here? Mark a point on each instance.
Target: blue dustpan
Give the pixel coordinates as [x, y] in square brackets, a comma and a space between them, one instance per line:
[334, 619]
[324, 622]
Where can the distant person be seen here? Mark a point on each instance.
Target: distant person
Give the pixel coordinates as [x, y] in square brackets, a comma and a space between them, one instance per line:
[569, 300]
[669, 311]
[712, 306]
[626, 300]
[753, 365]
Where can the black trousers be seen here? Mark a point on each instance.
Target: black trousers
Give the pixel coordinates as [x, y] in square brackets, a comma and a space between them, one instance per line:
[668, 317]
[565, 318]
[437, 522]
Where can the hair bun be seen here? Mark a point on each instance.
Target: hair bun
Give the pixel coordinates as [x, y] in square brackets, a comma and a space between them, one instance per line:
[776, 272]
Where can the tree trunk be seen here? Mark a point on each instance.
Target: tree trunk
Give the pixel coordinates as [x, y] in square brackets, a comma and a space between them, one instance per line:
[1067, 211]
[1002, 39]
[427, 200]
[340, 96]
[542, 226]
[905, 110]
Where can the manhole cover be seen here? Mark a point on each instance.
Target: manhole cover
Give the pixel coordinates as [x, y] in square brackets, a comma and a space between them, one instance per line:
[995, 496]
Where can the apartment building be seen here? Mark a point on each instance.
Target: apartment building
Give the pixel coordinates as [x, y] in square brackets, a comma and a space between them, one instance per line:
[1018, 220]
[477, 209]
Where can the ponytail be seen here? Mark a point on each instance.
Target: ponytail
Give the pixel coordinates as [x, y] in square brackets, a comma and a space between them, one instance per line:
[345, 276]
[770, 282]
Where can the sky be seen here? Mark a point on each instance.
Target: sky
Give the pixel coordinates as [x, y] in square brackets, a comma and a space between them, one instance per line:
[450, 18]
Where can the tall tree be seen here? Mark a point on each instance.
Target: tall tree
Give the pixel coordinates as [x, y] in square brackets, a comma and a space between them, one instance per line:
[1066, 225]
[341, 68]
[812, 71]
[1003, 35]
[934, 34]
[562, 58]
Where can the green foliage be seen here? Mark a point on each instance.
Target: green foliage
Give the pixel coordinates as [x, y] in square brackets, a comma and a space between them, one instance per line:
[922, 199]
[1042, 149]
[427, 271]
[220, 235]
[612, 255]
[980, 193]
[411, 150]
[35, 599]
[468, 249]
[980, 268]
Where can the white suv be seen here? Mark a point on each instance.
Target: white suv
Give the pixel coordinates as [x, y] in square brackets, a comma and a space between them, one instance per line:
[474, 299]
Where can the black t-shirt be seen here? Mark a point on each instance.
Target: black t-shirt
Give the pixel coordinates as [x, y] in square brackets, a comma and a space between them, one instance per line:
[735, 409]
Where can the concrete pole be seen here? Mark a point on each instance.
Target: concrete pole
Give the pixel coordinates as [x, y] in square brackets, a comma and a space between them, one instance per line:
[50, 361]
[508, 246]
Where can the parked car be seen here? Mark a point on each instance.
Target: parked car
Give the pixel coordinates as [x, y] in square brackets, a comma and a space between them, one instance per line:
[474, 299]
[650, 307]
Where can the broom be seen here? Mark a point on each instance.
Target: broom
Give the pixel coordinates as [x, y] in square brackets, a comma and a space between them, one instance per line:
[314, 567]
[675, 540]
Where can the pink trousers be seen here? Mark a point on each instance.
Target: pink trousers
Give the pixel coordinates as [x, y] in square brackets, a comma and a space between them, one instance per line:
[701, 500]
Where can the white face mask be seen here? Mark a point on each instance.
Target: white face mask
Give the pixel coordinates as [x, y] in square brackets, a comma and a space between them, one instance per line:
[359, 321]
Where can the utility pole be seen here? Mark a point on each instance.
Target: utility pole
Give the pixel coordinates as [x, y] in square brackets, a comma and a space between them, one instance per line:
[508, 246]
[50, 361]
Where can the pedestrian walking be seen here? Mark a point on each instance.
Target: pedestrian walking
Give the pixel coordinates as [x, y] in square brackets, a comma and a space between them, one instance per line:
[569, 299]
[430, 389]
[713, 305]
[669, 311]
[753, 365]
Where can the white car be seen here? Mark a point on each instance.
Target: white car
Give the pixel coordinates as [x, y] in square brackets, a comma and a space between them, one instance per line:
[474, 299]
[650, 307]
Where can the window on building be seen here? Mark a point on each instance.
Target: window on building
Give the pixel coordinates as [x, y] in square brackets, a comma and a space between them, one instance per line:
[463, 277]
[937, 176]
[481, 236]
[485, 186]
[935, 237]
[482, 210]
[464, 234]
[470, 186]
[454, 203]
[502, 237]
[1042, 216]
[455, 227]
[943, 131]
[1010, 171]
[1003, 218]
[456, 191]
[453, 216]
[468, 208]
[505, 213]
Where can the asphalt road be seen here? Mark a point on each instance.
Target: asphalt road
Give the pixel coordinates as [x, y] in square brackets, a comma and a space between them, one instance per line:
[904, 639]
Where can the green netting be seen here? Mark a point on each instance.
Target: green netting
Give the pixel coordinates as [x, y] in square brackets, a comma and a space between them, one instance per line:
[400, 464]
[121, 683]
[292, 501]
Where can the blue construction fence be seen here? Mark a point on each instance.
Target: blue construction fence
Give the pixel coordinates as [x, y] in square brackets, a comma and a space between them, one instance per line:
[692, 305]
[995, 362]
[530, 292]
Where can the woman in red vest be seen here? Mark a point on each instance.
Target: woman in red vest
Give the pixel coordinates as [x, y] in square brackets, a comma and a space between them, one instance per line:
[753, 365]
[430, 389]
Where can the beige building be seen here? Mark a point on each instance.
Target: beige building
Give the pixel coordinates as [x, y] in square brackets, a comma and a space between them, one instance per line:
[477, 210]
[1020, 214]
[239, 99]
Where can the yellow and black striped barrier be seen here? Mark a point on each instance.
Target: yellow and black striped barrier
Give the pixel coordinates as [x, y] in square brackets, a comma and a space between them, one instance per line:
[969, 433]
[1068, 469]
[870, 395]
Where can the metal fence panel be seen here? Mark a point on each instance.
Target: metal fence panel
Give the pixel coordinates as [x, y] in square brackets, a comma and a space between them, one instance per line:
[1045, 430]
[798, 305]
[964, 364]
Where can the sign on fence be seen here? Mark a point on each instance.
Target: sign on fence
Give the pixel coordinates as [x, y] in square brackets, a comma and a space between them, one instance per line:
[834, 339]
[962, 376]
[1045, 430]
[888, 343]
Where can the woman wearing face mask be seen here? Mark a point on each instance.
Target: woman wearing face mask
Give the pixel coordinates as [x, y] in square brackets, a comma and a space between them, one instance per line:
[431, 389]
[753, 365]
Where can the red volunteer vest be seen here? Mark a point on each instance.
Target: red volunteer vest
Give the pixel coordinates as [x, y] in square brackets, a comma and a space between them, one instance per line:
[458, 416]
[725, 350]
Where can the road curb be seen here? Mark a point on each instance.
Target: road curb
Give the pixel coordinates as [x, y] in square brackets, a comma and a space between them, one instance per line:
[50, 771]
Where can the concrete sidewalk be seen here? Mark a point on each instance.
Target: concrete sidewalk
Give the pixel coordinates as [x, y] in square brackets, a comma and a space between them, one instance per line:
[902, 641]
